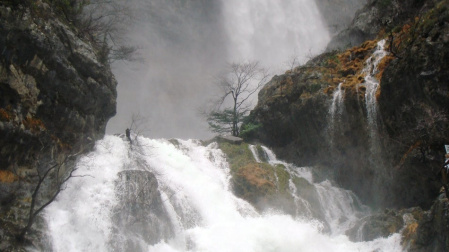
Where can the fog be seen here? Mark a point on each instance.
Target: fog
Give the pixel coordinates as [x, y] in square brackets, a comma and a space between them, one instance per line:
[185, 43]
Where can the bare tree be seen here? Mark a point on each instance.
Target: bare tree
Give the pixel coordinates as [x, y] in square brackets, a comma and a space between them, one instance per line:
[292, 62]
[104, 22]
[51, 173]
[238, 84]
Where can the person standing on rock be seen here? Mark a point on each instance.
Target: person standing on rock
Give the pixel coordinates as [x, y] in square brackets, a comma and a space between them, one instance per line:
[128, 135]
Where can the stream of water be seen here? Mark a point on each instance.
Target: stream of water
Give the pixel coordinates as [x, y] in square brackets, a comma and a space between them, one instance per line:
[195, 187]
[372, 85]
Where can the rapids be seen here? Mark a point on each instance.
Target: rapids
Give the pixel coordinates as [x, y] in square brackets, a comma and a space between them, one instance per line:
[194, 182]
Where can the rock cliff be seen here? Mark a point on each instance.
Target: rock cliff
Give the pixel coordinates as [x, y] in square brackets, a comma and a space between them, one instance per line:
[394, 158]
[386, 144]
[55, 100]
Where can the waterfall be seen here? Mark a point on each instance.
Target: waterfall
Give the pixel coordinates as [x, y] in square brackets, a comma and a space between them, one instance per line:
[372, 85]
[335, 111]
[338, 208]
[184, 43]
[192, 196]
[274, 31]
[255, 154]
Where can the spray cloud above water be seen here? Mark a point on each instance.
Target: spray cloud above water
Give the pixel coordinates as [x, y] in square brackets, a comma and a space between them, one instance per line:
[185, 43]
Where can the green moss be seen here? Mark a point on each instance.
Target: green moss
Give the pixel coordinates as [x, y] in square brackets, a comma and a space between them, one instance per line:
[314, 87]
[259, 183]
[283, 178]
[261, 153]
[238, 155]
[249, 129]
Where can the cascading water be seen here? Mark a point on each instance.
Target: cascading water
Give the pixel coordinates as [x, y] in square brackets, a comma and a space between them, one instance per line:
[335, 111]
[372, 84]
[338, 208]
[184, 43]
[196, 201]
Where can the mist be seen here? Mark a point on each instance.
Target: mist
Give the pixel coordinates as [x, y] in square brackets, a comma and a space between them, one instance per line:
[183, 44]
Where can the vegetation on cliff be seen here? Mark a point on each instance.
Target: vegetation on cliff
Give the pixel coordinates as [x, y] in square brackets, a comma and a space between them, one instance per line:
[294, 114]
[294, 110]
[237, 84]
[56, 96]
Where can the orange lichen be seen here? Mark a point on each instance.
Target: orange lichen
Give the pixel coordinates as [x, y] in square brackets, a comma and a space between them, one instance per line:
[7, 177]
[383, 65]
[404, 157]
[5, 114]
[346, 67]
[255, 176]
[33, 124]
[378, 91]
[329, 90]
[409, 232]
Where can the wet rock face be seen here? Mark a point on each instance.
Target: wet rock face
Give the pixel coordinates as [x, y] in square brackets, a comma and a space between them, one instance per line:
[293, 110]
[286, 106]
[432, 231]
[375, 226]
[140, 217]
[55, 100]
[413, 113]
[421, 231]
[415, 106]
[54, 94]
[374, 16]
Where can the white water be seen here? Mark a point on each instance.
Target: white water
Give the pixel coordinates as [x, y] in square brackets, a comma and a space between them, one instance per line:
[195, 187]
[340, 207]
[372, 85]
[335, 111]
[186, 43]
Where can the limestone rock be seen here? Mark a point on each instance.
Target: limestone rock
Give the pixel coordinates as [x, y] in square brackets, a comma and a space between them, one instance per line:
[55, 100]
[54, 92]
[374, 16]
[431, 233]
[402, 169]
[376, 226]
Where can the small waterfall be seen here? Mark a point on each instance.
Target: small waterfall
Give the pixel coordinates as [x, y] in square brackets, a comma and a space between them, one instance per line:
[338, 208]
[335, 111]
[372, 85]
[337, 102]
[196, 203]
[255, 154]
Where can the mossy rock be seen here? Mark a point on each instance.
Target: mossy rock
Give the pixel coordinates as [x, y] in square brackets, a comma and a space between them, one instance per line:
[261, 184]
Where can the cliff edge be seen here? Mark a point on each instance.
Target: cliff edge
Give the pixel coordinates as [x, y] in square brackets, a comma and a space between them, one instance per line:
[56, 97]
[386, 143]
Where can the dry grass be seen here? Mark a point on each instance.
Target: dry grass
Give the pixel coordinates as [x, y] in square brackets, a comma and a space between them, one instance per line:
[255, 176]
[7, 177]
